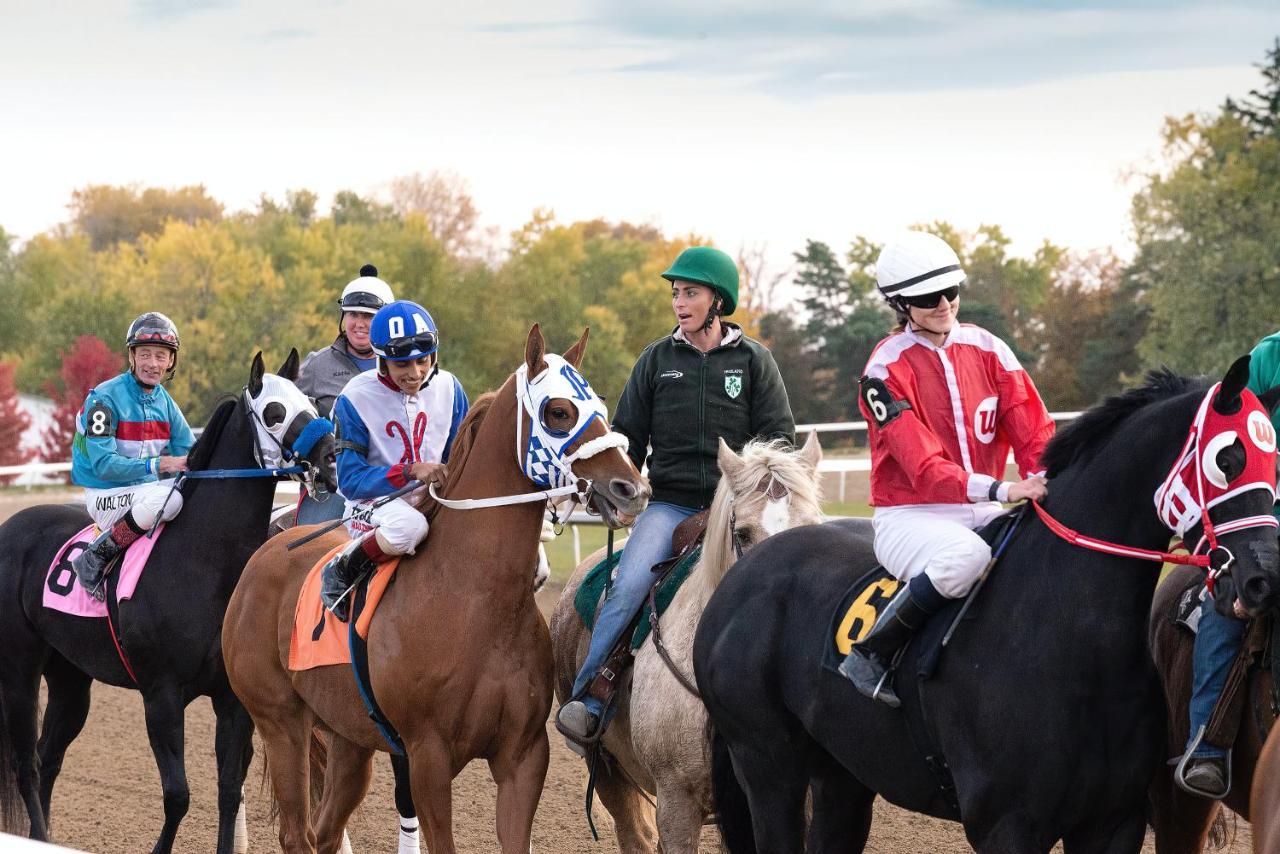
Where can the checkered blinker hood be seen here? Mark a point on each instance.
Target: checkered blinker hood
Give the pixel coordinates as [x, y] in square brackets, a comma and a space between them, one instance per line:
[541, 454]
[1196, 483]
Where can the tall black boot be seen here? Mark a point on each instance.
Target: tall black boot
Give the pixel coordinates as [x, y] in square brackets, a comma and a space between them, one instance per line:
[869, 664]
[91, 564]
[345, 570]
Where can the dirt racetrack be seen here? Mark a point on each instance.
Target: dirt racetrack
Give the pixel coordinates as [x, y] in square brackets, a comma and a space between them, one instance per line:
[108, 797]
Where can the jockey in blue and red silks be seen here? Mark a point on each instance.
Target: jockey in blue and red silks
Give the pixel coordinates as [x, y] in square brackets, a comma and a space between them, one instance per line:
[394, 424]
[128, 433]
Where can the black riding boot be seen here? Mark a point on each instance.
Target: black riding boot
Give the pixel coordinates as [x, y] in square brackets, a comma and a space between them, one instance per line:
[341, 573]
[91, 564]
[869, 664]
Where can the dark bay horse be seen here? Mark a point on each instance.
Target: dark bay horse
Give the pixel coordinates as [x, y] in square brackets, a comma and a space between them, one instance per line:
[1185, 823]
[1045, 707]
[460, 657]
[170, 630]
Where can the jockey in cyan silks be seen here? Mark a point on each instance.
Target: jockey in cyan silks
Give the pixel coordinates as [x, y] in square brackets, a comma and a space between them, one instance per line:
[128, 433]
[944, 402]
[394, 424]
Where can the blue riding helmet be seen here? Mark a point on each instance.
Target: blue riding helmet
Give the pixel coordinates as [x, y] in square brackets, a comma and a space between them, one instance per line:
[402, 331]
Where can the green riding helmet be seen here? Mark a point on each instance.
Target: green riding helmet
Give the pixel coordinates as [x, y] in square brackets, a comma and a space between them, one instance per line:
[706, 265]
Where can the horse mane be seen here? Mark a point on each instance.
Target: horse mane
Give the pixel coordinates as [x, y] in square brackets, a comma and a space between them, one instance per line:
[201, 452]
[464, 442]
[1090, 430]
[738, 496]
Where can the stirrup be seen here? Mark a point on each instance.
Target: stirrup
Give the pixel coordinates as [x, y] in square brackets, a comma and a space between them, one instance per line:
[891, 699]
[1179, 772]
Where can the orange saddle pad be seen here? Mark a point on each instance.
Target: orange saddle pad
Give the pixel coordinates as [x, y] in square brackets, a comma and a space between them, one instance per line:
[318, 638]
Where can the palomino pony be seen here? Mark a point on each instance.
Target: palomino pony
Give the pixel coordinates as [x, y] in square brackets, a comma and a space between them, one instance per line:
[1043, 719]
[459, 657]
[1185, 823]
[169, 631]
[657, 738]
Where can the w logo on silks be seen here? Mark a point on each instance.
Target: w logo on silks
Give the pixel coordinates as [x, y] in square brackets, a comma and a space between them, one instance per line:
[985, 421]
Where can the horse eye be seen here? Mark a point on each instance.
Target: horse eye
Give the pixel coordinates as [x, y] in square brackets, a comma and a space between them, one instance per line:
[273, 413]
[1231, 460]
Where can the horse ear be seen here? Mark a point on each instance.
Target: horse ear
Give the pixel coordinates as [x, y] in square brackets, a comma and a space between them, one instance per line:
[534, 350]
[289, 370]
[575, 353]
[1270, 398]
[255, 375]
[731, 465]
[811, 453]
[1227, 400]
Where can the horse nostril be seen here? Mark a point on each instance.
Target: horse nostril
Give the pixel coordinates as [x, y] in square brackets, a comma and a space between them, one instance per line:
[623, 489]
[1257, 590]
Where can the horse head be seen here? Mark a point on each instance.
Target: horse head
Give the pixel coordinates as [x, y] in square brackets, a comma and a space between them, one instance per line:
[286, 424]
[1237, 466]
[568, 432]
[766, 489]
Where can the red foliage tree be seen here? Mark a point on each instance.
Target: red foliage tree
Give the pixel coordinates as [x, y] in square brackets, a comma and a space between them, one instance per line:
[90, 362]
[13, 422]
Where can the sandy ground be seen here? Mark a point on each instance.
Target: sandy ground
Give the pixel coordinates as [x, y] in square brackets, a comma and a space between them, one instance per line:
[108, 797]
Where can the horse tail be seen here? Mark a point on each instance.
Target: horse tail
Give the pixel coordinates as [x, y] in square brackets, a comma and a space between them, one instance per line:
[733, 812]
[1222, 832]
[12, 807]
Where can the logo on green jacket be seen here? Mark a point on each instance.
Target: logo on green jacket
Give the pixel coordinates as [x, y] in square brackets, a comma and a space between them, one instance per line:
[733, 386]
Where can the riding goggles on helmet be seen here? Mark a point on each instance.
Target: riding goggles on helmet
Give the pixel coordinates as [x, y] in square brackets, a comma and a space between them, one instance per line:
[415, 346]
[931, 300]
[360, 299]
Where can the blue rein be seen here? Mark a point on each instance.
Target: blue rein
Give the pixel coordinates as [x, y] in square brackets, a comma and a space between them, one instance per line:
[217, 474]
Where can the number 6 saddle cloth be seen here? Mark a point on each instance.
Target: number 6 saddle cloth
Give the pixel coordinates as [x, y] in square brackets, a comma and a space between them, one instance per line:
[62, 590]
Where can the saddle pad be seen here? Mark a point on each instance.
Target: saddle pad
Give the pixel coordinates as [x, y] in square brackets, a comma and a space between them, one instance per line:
[319, 639]
[62, 590]
[856, 613]
[592, 589]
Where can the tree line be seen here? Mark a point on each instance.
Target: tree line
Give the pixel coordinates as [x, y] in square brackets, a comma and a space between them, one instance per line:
[1200, 289]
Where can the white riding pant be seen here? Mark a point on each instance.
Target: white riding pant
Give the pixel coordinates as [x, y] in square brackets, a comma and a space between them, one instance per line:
[150, 502]
[936, 539]
[399, 524]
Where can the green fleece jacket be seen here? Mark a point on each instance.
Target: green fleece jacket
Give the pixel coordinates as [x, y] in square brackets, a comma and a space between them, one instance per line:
[1264, 374]
[680, 401]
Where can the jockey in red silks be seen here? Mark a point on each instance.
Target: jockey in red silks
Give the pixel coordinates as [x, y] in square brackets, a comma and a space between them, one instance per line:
[944, 403]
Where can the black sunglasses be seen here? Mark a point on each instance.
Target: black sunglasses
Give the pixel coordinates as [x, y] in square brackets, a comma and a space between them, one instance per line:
[931, 300]
[424, 343]
[361, 299]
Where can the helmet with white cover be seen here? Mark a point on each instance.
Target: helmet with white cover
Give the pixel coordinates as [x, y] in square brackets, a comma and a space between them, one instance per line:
[367, 293]
[916, 263]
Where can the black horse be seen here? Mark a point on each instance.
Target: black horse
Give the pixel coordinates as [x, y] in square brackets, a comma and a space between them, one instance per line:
[170, 630]
[1045, 705]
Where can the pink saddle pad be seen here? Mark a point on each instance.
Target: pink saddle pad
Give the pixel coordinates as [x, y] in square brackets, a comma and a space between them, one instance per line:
[62, 590]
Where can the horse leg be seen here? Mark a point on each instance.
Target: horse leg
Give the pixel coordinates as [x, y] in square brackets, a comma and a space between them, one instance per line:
[285, 729]
[404, 804]
[1181, 821]
[633, 818]
[520, 770]
[775, 783]
[64, 716]
[679, 819]
[19, 709]
[841, 810]
[233, 746]
[163, 708]
[346, 781]
[431, 774]
[1114, 834]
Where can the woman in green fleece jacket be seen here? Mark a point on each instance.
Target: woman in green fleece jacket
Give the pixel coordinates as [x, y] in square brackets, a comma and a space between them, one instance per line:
[704, 382]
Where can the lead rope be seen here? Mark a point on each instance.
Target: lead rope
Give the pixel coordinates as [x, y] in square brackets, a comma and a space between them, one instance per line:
[593, 752]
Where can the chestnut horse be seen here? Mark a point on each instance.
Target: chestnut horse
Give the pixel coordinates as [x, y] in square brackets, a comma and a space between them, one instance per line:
[657, 739]
[459, 657]
[1185, 823]
[1264, 804]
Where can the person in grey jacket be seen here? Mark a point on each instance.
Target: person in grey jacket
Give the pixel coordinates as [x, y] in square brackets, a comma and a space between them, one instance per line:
[325, 373]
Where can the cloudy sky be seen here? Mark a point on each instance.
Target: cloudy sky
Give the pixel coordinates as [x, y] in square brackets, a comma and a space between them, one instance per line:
[747, 122]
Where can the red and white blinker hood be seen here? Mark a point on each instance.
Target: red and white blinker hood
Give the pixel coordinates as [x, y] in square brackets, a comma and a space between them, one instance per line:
[1195, 484]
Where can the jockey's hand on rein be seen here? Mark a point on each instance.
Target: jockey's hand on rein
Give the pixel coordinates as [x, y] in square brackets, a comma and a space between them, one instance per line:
[1034, 488]
[429, 473]
[169, 465]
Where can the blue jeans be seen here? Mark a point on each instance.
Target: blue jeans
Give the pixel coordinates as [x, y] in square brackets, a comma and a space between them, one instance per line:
[1217, 643]
[650, 543]
[311, 511]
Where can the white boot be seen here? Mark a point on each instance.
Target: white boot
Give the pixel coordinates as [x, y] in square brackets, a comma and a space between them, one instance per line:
[408, 835]
[346, 844]
[242, 828]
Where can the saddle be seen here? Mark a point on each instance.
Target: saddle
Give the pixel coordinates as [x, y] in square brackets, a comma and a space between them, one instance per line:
[62, 590]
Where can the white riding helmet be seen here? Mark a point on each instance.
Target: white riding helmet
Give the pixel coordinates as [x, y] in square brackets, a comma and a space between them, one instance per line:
[917, 263]
[366, 294]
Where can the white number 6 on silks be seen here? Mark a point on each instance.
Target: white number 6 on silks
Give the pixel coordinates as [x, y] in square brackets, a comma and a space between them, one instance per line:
[880, 402]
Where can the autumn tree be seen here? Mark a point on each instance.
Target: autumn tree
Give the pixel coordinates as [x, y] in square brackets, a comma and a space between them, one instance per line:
[13, 423]
[445, 200]
[88, 362]
[109, 214]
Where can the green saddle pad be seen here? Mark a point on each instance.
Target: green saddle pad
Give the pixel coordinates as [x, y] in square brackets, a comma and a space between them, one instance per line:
[594, 583]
